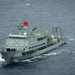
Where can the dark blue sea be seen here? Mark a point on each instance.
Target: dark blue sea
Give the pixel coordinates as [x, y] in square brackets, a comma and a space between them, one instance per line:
[42, 14]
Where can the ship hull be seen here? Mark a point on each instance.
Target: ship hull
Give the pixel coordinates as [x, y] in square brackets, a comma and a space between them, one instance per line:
[10, 56]
[50, 48]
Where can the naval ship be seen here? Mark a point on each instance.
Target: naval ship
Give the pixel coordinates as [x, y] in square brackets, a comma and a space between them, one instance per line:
[26, 44]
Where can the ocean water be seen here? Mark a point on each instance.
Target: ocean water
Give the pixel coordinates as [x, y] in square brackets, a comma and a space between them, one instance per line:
[42, 14]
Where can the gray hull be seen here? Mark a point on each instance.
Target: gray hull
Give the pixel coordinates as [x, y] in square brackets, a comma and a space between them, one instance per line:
[10, 56]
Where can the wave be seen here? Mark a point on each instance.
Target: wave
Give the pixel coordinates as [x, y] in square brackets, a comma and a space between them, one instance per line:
[28, 4]
[1, 60]
[71, 39]
[54, 53]
[45, 55]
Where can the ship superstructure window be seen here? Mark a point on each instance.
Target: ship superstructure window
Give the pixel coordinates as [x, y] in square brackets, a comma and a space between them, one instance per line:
[16, 42]
[37, 46]
[17, 37]
[37, 49]
[10, 49]
[39, 39]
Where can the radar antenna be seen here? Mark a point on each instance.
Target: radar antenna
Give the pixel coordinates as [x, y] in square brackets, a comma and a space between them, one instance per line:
[57, 30]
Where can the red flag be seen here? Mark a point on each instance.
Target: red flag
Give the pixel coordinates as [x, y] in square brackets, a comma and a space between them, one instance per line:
[25, 23]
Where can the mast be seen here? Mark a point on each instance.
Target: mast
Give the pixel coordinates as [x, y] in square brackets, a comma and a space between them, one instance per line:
[23, 28]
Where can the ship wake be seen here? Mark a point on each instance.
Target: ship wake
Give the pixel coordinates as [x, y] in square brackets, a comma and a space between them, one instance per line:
[1, 60]
[42, 56]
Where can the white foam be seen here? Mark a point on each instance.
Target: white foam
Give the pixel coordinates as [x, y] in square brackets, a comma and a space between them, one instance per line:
[45, 55]
[28, 4]
[71, 39]
[39, 56]
[27, 60]
[51, 54]
[1, 60]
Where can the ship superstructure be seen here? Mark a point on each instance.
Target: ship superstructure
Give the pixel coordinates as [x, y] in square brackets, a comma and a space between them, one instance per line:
[26, 44]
